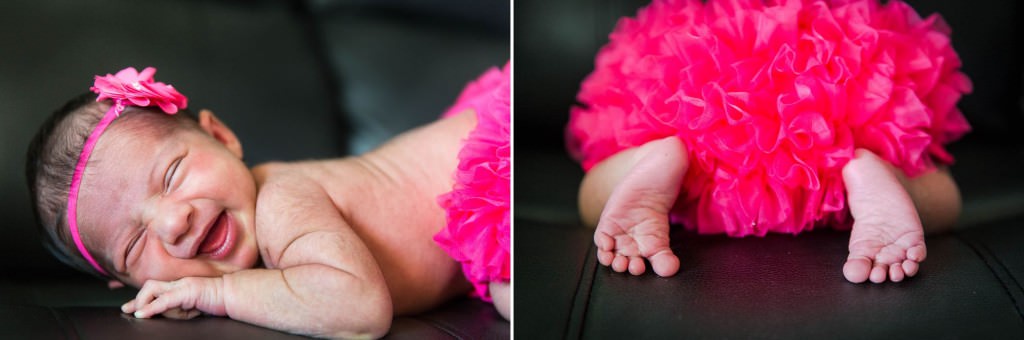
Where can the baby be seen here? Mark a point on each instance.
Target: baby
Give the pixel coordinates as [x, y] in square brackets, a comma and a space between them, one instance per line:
[749, 117]
[130, 191]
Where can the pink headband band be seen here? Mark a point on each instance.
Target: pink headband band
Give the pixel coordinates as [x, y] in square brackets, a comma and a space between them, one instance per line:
[127, 88]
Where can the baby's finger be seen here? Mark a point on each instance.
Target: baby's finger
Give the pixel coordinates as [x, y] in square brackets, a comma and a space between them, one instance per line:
[128, 307]
[156, 307]
[149, 292]
[168, 300]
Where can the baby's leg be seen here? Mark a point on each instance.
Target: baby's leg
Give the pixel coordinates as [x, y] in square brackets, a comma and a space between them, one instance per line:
[887, 240]
[500, 295]
[628, 197]
[936, 197]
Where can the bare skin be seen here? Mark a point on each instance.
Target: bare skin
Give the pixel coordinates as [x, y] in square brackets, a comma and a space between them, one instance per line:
[392, 208]
[501, 293]
[627, 198]
[634, 222]
[352, 234]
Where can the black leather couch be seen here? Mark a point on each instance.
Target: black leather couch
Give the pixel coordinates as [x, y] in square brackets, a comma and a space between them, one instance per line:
[294, 79]
[778, 286]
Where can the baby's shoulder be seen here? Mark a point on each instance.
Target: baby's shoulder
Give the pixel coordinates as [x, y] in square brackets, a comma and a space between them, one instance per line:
[287, 183]
[291, 201]
[283, 180]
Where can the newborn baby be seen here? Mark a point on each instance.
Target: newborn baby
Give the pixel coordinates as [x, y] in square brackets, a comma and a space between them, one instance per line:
[160, 199]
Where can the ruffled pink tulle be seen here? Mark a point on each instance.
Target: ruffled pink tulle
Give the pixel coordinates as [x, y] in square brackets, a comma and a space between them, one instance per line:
[478, 233]
[771, 98]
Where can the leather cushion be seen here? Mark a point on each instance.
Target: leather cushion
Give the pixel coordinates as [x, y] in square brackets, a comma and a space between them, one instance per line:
[779, 286]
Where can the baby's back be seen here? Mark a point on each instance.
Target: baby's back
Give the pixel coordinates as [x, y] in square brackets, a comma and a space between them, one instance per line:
[389, 198]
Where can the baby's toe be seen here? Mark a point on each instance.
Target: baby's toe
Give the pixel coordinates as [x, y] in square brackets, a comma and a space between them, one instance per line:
[910, 267]
[917, 253]
[604, 241]
[856, 269]
[896, 272]
[605, 257]
[620, 263]
[878, 273]
[664, 263]
[636, 265]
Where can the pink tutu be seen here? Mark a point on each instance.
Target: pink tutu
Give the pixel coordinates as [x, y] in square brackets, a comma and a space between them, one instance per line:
[479, 224]
[771, 98]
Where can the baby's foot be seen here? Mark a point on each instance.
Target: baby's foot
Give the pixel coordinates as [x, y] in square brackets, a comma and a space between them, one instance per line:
[881, 249]
[634, 222]
[887, 240]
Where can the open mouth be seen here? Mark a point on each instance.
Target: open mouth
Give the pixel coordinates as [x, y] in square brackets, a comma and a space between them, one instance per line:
[217, 241]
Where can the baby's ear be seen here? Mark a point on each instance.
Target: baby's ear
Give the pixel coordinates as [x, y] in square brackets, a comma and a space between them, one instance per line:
[213, 126]
[114, 284]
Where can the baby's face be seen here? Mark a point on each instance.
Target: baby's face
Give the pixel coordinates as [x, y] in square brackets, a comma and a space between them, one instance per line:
[167, 207]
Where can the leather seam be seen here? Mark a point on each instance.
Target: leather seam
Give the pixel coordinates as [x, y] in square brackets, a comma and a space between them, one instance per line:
[1007, 271]
[592, 264]
[981, 251]
[578, 306]
[575, 293]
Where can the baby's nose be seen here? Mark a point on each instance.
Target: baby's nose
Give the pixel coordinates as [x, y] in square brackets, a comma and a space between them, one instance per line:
[172, 224]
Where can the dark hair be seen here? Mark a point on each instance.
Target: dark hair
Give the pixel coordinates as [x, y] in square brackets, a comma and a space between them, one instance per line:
[50, 163]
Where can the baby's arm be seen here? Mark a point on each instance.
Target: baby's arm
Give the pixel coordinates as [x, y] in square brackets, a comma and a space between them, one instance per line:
[324, 281]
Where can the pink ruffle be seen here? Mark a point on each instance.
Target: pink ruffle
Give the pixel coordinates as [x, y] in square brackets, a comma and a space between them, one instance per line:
[479, 223]
[771, 98]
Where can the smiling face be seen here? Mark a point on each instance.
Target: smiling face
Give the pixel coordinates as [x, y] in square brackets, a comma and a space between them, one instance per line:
[163, 200]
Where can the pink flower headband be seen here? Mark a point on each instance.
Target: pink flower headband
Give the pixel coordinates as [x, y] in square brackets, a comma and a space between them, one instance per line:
[126, 88]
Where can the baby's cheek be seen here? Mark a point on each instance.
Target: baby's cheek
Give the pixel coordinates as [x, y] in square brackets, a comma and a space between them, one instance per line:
[162, 271]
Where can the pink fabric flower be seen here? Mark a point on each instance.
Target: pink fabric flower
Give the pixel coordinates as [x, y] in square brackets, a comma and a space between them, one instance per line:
[130, 87]
[771, 98]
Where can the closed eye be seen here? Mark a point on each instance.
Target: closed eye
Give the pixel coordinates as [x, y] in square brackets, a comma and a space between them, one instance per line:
[131, 247]
[169, 175]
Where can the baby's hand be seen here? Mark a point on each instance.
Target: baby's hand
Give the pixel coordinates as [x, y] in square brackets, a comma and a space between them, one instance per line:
[181, 299]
